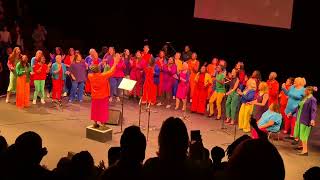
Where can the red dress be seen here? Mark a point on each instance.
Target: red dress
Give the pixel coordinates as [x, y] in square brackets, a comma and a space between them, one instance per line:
[149, 88]
[136, 74]
[273, 92]
[57, 86]
[201, 93]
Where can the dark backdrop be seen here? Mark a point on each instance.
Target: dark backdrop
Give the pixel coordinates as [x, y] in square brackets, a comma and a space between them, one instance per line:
[126, 23]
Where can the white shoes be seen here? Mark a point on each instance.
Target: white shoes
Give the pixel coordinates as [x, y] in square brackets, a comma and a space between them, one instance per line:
[110, 100]
[173, 97]
[34, 101]
[159, 104]
[168, 106]
[7, 101]
[42, 101]
[118, 99]
[65, 94]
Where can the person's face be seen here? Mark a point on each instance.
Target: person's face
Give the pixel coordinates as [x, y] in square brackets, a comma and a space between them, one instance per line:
[254, 74]
[214, 61]
[127, 52]
[288, 82]
[177, 56]
[194, 56]
[187, 48]
[72, 52]
[170, 61]
[58, 59]
[222, 63]
[38, 54]
[271, 76]
[58, 52]
[161, 54]
[94, 55]
[78, 59]
[238, 66]
[307, 92]
[203, 69]
[146, 49]
[24, 59]
[185, 66]
[218, 69]
[18, 51]
[111, 51]
[138, 54]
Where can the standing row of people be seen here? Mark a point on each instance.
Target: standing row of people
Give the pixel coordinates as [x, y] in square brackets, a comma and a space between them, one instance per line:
[162, 80]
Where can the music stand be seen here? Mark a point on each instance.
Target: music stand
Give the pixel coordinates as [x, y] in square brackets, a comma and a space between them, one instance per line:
[125, 85]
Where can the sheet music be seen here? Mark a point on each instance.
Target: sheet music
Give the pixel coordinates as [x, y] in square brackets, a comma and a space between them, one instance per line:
[127, 84]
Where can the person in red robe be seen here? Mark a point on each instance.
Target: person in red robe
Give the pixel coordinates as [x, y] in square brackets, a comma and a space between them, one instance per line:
[146, 56]
[136, 74]
[149, 95]
[202, 83]
[161, 62]
[273, 87]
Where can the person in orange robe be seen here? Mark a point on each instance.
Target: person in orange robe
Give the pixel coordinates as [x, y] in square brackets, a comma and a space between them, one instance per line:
[203, 81]
[211, 69]
[149, 95]
[161, 62]
[100, 92]
[23, 69]
[273, 87]
[193, 65]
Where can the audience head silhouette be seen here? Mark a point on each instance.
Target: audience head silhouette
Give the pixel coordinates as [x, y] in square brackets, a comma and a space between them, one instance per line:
[133, 144]
[217, 154]
[3, 145]
[173, 140]
[29, 148]
[312, 174]
[82, 165]
[257, 156]
[235, 144]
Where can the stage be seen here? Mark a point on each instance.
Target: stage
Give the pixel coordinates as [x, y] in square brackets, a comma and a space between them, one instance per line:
[64, 130]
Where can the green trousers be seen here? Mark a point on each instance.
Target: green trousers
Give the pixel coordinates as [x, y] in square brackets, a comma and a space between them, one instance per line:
[39, 89]
[232, 105]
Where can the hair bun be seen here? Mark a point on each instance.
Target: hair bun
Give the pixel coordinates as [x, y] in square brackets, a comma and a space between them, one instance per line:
[315, 88]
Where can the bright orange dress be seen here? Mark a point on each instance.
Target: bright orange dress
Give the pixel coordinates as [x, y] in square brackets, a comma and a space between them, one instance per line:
[193, 69]
[23, 86]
